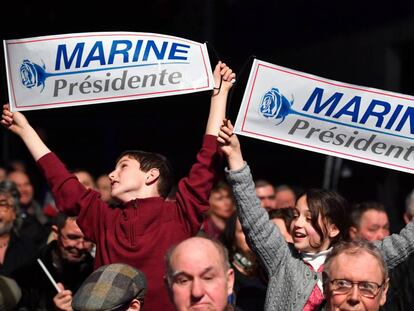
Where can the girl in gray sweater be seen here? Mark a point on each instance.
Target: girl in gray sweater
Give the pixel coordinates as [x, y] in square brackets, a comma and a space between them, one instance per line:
[295, 280]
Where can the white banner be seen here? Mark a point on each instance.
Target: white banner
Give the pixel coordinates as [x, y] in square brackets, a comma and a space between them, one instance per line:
[91, 68]
[312, 113]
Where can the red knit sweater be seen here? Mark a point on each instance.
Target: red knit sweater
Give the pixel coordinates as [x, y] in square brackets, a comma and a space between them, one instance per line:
[141, 231]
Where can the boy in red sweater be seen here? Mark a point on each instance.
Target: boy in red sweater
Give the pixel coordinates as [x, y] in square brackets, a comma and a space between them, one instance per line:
[145, 226]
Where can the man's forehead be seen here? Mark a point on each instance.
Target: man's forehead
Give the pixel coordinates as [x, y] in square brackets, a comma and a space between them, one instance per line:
[71, 226]
[194, 248]
[18, 176]
[356, 263]
[265, 188]
[374, 216]
[193, 272]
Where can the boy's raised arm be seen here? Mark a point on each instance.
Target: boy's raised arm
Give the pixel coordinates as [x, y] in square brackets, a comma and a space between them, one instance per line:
[222, 75]
[17, 123]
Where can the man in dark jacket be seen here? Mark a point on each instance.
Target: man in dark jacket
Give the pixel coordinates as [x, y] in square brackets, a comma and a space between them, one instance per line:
[68, 260]
[15, 248]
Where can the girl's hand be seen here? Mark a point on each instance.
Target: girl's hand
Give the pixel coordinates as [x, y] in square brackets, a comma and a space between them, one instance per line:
[230, 145]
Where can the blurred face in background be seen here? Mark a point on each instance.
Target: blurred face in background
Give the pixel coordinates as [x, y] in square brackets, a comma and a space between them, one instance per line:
[24, 186]
[85, 179]
[241, 243]
[103, 183]
[73, 245]
[7, 214]
[373, 226]
[283, 229]
[221, 203]
[3, 173]
[285, 198]
[267, 197]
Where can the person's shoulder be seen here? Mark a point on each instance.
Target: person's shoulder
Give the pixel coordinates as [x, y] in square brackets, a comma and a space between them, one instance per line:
[29, 220]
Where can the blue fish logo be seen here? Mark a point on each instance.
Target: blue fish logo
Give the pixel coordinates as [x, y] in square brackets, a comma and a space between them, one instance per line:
[275, 105]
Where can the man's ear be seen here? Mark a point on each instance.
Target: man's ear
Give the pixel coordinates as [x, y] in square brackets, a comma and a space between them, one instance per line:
[384, 292]
[135, 305]
[353, 232]
[152, 176]
[230, 281]
[407, 218]
[55, 232]
[169, 289]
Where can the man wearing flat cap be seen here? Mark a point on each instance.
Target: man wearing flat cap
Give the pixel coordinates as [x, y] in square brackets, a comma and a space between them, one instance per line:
[113, 287]
[10, 293]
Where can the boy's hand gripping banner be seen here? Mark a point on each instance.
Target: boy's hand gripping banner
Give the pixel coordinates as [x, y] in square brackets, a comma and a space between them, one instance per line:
[312, 113]
[90, 68]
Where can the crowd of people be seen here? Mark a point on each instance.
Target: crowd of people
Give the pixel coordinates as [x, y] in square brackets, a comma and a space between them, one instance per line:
[217, 240]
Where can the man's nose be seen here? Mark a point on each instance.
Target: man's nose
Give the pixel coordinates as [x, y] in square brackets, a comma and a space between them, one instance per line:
[197, 290]
[381, 234]
[81, 243]
[353, 296]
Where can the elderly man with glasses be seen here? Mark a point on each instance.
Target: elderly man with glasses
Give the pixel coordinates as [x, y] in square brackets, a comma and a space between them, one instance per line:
[16, 249]
[355, 277]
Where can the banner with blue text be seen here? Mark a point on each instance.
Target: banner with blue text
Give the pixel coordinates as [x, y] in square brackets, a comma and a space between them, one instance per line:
[308, 112]
[90, 68]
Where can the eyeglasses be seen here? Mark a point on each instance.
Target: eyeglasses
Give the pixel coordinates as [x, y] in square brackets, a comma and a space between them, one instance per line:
[5, 205]
[366, 289]
[75, 238]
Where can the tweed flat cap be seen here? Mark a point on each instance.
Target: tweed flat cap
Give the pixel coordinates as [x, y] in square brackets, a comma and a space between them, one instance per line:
[10, 293]
[109, 288]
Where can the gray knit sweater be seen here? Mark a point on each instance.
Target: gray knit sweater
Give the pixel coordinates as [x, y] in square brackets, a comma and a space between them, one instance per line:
[290, 280]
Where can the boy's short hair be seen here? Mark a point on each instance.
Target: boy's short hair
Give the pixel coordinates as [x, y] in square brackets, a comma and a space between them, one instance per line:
[149, 160]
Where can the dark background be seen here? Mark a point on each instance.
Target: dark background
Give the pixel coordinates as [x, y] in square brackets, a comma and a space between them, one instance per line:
[360, 42]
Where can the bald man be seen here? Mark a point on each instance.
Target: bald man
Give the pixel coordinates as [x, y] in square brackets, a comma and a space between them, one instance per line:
[199, 275]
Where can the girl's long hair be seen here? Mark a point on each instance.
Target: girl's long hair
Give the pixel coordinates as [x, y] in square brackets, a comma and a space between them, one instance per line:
[332, 209]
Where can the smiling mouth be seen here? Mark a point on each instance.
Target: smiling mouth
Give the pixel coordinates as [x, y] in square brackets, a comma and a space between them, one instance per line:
[299, 235]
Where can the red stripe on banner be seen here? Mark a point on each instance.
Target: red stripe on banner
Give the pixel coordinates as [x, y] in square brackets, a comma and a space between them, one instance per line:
[113, 97]
[324, 149]
[335, 84]
[103, 35]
